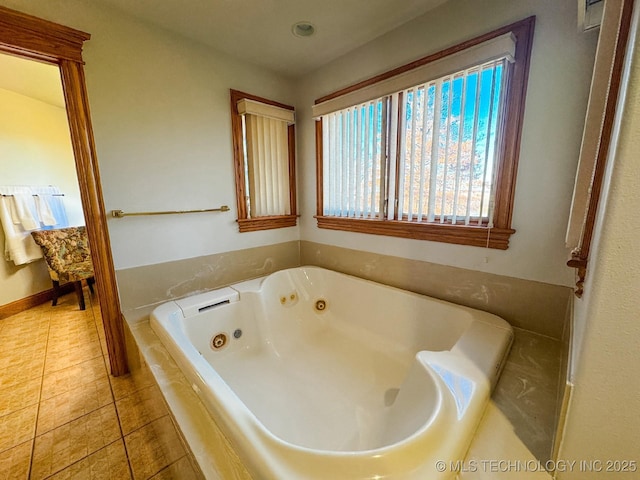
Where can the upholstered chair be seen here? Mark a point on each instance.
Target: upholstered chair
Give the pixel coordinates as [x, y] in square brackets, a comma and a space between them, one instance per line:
[66, 251]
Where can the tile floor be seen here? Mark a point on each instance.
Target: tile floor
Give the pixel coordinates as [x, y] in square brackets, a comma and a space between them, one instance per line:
[63, 416]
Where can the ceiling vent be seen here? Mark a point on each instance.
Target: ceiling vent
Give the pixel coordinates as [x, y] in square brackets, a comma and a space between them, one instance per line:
[589, 14]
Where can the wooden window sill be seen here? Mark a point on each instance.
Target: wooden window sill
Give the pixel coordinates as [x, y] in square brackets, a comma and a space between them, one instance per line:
[478, 236]
[267, 223]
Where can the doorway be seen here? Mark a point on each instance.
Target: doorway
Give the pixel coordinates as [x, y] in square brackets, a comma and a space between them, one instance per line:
[29, 37]
[37, 158]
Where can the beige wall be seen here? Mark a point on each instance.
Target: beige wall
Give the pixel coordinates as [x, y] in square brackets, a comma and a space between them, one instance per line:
[516, 300]
[160, 111]
[147, 285]
[603, 420]
[35, 150]
[561, 64]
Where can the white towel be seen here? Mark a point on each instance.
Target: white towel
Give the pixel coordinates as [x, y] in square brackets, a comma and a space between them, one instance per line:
[54, 199]
[22, 211]
[18, 216]
[43, 206]
[18, 244]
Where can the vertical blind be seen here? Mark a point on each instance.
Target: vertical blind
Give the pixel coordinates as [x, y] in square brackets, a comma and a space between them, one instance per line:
[435, 163]
[354, 155]
[267, 161]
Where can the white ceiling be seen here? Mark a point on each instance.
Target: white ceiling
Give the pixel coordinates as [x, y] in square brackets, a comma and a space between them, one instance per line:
[259, 31]
[32, 79]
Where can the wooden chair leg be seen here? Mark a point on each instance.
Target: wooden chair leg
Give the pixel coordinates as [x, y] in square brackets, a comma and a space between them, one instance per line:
[56, 292]
[78, 286]
[90, 282]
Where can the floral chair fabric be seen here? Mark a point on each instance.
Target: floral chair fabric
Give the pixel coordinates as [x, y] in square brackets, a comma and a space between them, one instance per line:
[68, 257]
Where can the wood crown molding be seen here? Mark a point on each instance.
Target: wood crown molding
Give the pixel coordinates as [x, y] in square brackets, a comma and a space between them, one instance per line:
[40, 39]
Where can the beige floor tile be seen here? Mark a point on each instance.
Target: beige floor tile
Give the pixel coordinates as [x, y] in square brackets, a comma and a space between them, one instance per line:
[65, 445]
[59, 360]
[75, 403]
[132, 382]
[11, 378]
[72, 336]
[108, 463]
[30, 342]
[57, 354]
[24, 327]
[99, 324]
[103, 345]
[71, 311]
[17, 427]
[14, 463]
[38, 313]
[140, 408]
[69, 302]
[107, 365]
[70, 328]
[68, 325]
[153, 447]
[180, 470]
[20, 395]
[65, 314]
[28, 363]
[62, 381]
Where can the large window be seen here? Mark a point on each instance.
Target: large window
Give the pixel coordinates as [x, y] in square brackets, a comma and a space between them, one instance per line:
[264, 157]
[428, 150]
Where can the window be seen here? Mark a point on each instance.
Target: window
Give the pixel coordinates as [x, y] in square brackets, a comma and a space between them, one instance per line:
[264, 158]
[428, 150]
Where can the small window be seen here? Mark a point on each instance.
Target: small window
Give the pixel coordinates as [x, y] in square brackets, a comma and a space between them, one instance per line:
[428, 150]
[264, 157]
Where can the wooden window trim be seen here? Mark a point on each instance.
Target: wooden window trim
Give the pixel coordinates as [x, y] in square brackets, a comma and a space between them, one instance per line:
[246, 224]
[478, 235]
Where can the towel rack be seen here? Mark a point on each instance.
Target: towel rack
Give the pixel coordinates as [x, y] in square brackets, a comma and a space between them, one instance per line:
[38, 194]
[120, 213]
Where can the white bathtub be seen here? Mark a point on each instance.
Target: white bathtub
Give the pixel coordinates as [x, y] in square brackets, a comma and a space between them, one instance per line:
[381, 383]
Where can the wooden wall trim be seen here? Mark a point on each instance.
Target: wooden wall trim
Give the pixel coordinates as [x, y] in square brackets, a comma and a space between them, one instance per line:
[39, 39]
[35, 38]
[94, 212]
[31, 301]
[580, 255]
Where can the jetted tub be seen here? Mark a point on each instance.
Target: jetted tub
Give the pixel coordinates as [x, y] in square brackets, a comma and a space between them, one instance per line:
[314, 374]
